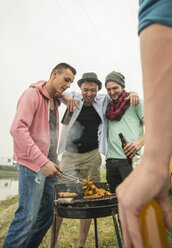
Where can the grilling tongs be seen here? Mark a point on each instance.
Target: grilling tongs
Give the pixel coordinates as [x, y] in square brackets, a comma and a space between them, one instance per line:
[71, 177]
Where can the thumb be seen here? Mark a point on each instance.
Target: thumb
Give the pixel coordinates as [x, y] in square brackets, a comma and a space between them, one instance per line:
[127, 97]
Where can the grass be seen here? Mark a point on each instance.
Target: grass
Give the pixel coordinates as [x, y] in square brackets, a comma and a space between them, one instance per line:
[70, 230]
[8, 171]
[8, 168]
[103, 175]
[5, 204]
[169, 233]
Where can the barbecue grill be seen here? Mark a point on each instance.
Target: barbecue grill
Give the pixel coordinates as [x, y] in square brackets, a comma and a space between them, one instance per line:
[80, 208]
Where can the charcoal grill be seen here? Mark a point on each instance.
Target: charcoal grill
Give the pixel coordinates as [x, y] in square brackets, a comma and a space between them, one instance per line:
[84, 208]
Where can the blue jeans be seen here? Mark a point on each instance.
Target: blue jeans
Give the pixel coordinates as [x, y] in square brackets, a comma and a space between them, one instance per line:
[35, 211]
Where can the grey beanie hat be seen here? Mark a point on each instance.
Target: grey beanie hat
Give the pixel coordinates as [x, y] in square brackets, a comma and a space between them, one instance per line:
[90, 77]
[116, 77]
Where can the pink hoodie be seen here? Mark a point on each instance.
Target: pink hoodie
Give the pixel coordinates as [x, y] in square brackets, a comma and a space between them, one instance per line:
[30, 127]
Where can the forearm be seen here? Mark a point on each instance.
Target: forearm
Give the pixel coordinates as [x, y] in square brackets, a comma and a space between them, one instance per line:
[158, 135]
[63, 97]
[24, 142]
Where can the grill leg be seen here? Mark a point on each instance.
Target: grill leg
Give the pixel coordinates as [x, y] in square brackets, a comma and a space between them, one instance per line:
[95, 230]
[118, 230]
[53, 232]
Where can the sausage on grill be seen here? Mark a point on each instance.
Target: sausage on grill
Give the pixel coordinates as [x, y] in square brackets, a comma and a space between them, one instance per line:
[67, 195]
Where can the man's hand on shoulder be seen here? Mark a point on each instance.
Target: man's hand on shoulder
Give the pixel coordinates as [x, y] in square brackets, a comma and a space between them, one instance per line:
[134, 98]
[71, 103]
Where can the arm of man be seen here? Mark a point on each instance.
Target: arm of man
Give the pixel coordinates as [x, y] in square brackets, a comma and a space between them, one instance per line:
[69, 101]
[134, 146]
[20, 130]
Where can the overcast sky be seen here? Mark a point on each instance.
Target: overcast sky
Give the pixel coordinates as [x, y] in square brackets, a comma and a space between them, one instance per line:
[91, 35]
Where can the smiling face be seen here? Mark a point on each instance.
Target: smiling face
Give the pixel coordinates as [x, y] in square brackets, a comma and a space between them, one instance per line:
[114, 90]
[89, 92]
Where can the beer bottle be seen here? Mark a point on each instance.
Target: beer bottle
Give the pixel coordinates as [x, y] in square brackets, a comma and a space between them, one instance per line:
[66, 117]
[124, 143]
[152, 226]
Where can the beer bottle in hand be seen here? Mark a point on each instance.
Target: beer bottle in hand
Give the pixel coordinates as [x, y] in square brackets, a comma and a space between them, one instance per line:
[124, 143]
[66, 117]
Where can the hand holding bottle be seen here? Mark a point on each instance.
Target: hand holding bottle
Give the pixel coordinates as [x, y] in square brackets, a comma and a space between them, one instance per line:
[132, 147]
[124, 144]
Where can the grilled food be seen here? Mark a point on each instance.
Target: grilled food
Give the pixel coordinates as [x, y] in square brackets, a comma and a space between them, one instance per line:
[92, 196]
[67, 195]
[91, 191]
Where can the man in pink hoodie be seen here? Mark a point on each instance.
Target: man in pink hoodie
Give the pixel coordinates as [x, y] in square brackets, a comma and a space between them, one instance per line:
[35, 135]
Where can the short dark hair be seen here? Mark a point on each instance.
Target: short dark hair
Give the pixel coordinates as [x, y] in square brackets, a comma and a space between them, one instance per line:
[60, 67]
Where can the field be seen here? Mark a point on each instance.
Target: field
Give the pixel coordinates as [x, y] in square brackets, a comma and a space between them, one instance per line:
[8, 171]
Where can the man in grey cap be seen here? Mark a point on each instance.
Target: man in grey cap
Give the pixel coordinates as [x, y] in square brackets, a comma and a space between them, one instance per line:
[84, 138]
[123, 118]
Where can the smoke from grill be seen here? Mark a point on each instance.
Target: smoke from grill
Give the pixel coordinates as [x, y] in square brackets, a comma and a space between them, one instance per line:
[74, 135]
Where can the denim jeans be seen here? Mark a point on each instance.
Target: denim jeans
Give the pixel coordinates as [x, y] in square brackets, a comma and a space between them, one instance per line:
[35, 211]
